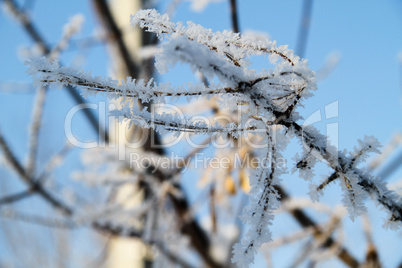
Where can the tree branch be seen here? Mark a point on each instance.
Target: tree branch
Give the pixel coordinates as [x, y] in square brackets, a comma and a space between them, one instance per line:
[234, 14]
[33, 185]
[304, 28]
[304, 220]
[15, 197]
[32, 32]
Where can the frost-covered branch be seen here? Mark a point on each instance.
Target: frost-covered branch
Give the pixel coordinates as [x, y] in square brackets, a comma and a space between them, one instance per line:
[70, 29]
[271, 97]
[353, 180]
[51, 73]
[35, 126]
[231, 45]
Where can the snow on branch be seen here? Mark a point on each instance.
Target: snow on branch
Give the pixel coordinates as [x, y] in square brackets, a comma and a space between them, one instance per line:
[51, 73]
[271, 98]
[264, 199]
[232, 45]
[167, 122]
[356, 183]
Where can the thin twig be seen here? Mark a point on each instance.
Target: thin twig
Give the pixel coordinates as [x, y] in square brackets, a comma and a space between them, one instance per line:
[372, 257]
[388, 150]
[40, 99]
[15, 197]
[34, 132]
[35, 219]
[304, 28]
[234, 15]
[53, 162]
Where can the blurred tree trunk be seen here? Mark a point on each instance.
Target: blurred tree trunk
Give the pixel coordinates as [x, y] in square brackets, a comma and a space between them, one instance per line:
[124, 43]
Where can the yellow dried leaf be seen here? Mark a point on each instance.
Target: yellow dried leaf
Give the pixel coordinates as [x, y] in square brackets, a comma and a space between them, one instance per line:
[230, 186]
[244, 183]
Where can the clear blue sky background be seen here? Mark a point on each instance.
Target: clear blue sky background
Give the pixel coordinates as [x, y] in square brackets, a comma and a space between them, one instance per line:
[366, 82]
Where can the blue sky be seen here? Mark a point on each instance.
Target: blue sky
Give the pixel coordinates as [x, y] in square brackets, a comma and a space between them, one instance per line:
[366, 35]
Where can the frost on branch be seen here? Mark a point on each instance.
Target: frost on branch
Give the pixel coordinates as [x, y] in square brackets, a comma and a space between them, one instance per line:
[258, 214]
[268, 98]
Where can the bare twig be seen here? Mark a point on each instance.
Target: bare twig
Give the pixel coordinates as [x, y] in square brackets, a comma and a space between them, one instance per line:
[372, 258]
[234, 16]
[15, 197]
[391, 166]
[304, 28]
